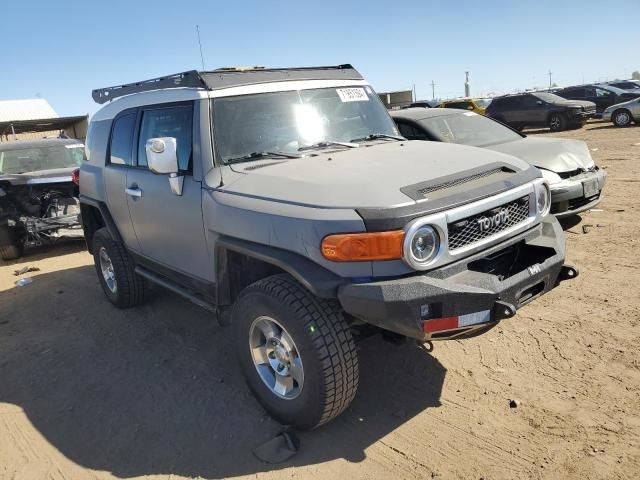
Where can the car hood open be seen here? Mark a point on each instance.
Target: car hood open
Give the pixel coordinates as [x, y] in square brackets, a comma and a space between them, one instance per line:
[370, 176]
[556, 154]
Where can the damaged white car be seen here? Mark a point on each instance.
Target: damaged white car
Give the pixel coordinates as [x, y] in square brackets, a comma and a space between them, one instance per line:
[575, 181]
[38, 193]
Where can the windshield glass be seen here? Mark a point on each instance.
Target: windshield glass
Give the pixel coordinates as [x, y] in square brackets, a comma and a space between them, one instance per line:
[284, 122]
[33, 159]
[468, 129]
[549, 97]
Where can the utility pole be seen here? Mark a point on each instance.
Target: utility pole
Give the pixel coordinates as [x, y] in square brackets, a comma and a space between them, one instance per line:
[200, 44]
[550, 73]
[433, 90]
[467, 90]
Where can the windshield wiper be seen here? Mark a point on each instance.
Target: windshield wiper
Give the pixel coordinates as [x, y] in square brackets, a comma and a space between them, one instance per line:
[327, 143]
[258, 155]
[377, 136]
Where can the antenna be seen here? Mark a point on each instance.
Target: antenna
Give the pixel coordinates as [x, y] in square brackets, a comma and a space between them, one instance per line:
[200, 44]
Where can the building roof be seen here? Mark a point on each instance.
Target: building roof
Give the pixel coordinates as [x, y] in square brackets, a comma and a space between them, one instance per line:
[29, 109]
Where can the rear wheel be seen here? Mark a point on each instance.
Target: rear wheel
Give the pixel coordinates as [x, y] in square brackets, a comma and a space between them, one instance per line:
[296, 351]
[557, 122]
[115, 268]
[11, 246]
[621, 118]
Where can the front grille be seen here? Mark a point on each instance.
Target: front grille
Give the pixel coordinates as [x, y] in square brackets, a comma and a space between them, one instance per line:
[468, 230]
[459, 181]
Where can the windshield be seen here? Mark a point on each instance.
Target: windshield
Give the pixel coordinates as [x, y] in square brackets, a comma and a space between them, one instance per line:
[33, 159]
[285, 122]
[549, 97]
[483, 102]
[468, 129]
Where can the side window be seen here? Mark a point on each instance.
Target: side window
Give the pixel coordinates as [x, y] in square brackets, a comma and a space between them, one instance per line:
[530, 101]
[176, 122]
[122, 139]
[600, 92]
[411, 132]
[574, 93]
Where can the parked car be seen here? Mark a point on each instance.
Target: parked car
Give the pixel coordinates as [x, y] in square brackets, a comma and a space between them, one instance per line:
[622, 114]
[602, 95]
[38, 196]
[540, 109]
[576, 182]
[629, 85]
[419, 103]
[245, 192]
[478, 105]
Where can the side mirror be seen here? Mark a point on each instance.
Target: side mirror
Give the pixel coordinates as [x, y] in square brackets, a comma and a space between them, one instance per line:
[539, 102]
[162, 159]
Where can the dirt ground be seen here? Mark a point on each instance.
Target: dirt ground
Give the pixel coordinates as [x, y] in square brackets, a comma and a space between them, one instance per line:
[89, 391]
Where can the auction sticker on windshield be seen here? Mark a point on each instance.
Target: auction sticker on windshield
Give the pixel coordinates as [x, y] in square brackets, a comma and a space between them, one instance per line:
[352, 94]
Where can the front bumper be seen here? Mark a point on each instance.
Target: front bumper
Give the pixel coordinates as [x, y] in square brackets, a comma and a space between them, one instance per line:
[576, 194]
[479, 290]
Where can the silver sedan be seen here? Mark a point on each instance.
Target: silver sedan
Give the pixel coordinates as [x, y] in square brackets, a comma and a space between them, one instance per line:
[622, 114]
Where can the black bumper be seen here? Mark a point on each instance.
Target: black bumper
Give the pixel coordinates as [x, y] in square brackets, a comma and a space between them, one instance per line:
[498, 280]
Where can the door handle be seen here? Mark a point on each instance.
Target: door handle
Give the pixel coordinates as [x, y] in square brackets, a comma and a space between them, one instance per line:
[133, 192]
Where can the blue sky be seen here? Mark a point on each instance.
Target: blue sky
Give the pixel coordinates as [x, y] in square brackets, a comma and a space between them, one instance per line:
[62, 50]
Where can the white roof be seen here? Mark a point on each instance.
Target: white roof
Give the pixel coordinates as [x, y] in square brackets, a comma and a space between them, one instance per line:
[30, 109]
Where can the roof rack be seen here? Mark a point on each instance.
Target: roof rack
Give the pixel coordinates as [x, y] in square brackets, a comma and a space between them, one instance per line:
[227, 77]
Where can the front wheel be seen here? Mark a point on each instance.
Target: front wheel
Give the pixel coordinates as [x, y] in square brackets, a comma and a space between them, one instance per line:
[557, 122]
[621, 118]
[296, 351]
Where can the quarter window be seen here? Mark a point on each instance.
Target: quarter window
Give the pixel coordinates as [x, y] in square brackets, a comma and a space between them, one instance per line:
[176, 122]
[122, 139]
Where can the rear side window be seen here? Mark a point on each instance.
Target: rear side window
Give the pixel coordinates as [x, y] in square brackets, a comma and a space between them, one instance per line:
[176, 122]
[122, 139]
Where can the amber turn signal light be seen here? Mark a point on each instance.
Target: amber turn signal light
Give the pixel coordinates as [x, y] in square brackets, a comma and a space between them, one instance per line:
[361, 247]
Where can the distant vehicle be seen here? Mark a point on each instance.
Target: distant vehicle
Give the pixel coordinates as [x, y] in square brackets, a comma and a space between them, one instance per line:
[602, 95]
[622, 114]
[625, 84]
[477, 105]
[576, 182]
[540, 109]
[38, 193]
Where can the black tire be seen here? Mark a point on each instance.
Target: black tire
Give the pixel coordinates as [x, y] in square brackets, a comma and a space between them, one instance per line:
[622, 118]
[129, 287]
[557, 122]
[324, 345]
[13, 247]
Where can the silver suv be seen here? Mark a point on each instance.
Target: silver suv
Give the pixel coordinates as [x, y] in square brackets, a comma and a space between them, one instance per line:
[285, 202]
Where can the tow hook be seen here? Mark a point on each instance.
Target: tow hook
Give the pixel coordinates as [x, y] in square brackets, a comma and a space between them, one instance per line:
[502, 310]
[567, 272]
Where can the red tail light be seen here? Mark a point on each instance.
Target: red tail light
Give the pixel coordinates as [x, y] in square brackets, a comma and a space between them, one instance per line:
[75, 176]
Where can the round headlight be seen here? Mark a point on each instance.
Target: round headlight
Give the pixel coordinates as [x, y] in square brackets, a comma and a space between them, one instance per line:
[424, 244]
[544, 199]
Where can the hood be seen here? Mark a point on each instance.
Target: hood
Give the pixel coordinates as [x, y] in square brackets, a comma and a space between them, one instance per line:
[576, 103]
[55, 175]
[556, 154]
[368, 176]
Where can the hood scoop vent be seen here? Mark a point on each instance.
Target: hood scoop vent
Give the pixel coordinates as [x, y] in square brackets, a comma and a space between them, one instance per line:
[462, 181]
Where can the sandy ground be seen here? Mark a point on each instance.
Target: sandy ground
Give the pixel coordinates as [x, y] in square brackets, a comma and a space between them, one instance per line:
[88, 391]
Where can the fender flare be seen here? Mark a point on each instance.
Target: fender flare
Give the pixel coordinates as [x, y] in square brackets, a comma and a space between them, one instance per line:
[315, 278]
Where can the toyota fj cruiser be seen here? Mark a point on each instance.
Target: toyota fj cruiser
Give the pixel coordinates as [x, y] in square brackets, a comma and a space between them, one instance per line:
[285, 201]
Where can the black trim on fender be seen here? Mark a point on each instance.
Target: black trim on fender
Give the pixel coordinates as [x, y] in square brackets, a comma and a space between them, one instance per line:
[318, 280]
[106, 216]
[380, 219]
